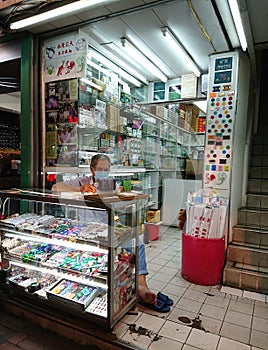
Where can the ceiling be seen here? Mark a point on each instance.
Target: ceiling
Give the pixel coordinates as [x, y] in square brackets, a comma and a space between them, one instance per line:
[202, 26]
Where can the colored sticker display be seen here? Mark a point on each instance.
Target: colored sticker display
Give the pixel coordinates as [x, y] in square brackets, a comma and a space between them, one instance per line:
[220, 123]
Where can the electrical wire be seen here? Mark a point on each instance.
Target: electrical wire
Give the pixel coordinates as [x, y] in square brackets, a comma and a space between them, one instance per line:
[203, 29]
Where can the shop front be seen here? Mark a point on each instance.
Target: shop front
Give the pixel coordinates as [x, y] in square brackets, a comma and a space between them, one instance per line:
[161, 145]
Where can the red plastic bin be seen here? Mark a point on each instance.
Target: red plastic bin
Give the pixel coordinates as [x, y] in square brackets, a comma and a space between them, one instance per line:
[151, 231]
[202, 259]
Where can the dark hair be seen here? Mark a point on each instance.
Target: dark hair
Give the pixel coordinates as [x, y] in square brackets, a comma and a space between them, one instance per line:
[97, 157]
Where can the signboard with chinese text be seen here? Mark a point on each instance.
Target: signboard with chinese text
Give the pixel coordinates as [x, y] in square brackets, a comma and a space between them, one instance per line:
[65, 57]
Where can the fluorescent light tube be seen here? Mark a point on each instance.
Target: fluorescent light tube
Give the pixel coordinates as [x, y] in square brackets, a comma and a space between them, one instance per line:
[57, 12]
[139, 57]
[177, 48]
[149, 53]
[111, 52]
[123, 64]
[238, 23]
[114, 68]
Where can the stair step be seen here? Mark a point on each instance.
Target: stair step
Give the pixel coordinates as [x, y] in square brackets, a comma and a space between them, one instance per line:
[257, 201]
[258, 186]
[252, 218]
[260, 139]
[259, 160]
[253, 237]
[259, 150]
[258, 172]
[248, 255]
[244, 278]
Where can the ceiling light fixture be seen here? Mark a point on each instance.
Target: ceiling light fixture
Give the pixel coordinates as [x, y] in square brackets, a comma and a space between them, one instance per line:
[179, 49]
[115, 68]
[114, 53]
[57, 12]
[238, 23]
[134, 53]
[149, 53]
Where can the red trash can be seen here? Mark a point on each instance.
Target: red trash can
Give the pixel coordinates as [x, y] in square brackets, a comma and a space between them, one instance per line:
[202, 259]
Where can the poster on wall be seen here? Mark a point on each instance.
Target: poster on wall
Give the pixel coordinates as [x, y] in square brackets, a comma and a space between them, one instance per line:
[188, 86]
[65, 57]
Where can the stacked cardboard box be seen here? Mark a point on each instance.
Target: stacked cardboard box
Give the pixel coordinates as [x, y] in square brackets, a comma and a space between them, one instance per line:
[157, 110]
[120, 126]
[112, 116]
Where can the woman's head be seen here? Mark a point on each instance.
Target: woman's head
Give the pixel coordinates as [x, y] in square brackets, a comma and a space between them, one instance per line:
[100, 166]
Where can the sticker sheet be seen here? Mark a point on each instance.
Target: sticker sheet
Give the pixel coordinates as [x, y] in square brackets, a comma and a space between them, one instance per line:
[220, 123]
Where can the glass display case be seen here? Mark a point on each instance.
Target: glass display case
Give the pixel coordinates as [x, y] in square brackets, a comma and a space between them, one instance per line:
[103, 113]
[76, 255]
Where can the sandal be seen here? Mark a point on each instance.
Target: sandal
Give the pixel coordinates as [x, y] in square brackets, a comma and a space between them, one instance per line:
[164, 298]
[160, 306]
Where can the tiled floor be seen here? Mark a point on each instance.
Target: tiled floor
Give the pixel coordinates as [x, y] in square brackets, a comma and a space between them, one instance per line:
[231, 319]
[18, 333]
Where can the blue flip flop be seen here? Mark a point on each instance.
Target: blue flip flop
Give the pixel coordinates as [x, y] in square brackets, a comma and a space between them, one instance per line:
[160, 306]
[164, 298]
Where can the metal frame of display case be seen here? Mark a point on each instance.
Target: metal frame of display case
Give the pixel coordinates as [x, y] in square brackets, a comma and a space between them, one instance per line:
[111, 205]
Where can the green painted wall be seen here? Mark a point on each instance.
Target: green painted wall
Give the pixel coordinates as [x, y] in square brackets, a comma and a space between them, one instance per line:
[26, 103]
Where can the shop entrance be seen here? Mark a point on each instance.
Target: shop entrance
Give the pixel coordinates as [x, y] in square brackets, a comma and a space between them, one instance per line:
[10, 143]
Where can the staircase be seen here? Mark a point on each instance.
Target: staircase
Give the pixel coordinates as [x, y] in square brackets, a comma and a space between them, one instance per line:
[247, 254]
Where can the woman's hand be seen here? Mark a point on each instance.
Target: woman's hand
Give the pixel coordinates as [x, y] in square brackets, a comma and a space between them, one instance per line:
[88, 188]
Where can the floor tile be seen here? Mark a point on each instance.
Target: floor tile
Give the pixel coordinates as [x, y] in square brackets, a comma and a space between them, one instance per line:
[261, 310]
[175, 290]
[128, 318]
[228, 344]
[254, 296]
[232, 291]
[175, 331]
[211, 324]
[153, 267]
[169, 271]
[204, 289]
[159, 261]
[120, 330]
[162, 277]
[146, 310]
[195, 295]
[165, 344]
[188, 304]
[243, 299]
[220, 301]
[152, 323]
[176, 313]
[137, 340]
[235, 332]
[173, 264]
[259, 324]
[156, 285]
[189, 347]
[213, 311]
[203, 340]
[259, 339]
[242, 307]
[180, 281]
[238, 318]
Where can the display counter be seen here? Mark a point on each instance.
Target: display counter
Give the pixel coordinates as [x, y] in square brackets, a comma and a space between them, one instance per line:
[76, 256]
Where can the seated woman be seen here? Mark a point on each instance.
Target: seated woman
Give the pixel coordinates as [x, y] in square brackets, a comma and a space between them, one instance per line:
[100, 168]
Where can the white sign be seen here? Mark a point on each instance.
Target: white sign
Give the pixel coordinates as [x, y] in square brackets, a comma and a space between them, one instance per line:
[65, 57]
[188, 86]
